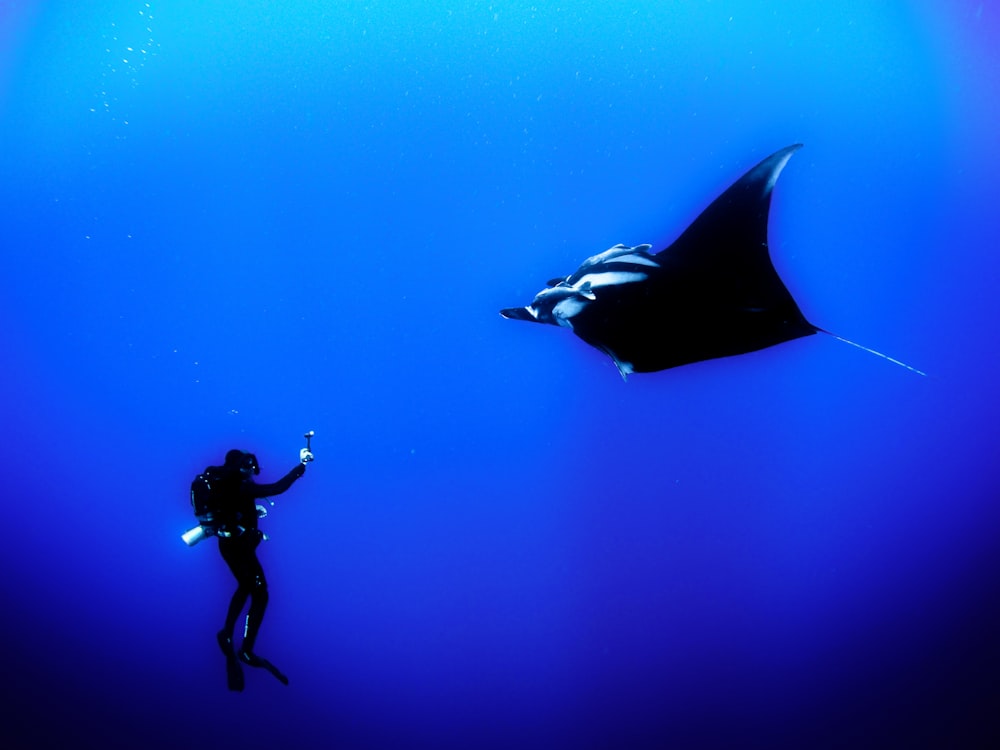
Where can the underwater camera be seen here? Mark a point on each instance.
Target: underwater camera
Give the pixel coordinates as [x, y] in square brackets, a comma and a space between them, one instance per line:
[305, 454]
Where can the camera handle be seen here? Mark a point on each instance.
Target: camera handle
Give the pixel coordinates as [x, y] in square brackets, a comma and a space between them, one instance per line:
[305, 454]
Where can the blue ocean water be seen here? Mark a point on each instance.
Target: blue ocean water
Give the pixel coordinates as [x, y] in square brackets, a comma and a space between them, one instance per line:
[224, 224]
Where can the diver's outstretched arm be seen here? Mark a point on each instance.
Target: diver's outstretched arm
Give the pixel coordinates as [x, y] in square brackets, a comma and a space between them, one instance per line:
[276, 488]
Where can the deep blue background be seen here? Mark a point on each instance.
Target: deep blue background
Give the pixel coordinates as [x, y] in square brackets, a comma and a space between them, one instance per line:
[225, 223]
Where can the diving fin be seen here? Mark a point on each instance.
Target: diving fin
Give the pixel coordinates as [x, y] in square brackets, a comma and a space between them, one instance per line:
[234, 672]
[251, 659]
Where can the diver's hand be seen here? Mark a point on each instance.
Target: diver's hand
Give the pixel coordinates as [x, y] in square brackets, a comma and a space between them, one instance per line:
[298, 471]
[261, 511]
[305, 456]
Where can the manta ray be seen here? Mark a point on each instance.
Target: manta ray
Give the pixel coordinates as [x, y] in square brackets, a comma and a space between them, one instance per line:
[712, 293]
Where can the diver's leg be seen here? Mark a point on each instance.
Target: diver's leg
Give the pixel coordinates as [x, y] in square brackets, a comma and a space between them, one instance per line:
[234, 672]
[258, 605]
[235, 556]
[236, 604]
[255, 615]
[256, 584]
[243, 563]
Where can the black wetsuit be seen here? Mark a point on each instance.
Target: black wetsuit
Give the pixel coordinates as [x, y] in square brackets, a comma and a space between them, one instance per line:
[238, 505]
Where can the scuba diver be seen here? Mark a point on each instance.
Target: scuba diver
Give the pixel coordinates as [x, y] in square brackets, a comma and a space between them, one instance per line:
[231, 494]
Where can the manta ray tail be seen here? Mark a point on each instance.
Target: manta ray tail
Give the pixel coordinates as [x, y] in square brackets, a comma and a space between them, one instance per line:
[872, 351]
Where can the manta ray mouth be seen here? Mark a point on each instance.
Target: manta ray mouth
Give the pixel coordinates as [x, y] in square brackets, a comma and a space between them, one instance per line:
[520, 313]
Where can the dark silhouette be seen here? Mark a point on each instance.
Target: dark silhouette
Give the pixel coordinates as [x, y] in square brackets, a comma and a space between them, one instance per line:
[235, 494]
[712, 293]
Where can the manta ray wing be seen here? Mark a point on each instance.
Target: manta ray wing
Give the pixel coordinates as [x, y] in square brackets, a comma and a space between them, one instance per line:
[715, 294]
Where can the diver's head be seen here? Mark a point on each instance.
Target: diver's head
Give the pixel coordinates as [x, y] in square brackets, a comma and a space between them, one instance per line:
[243, 462]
